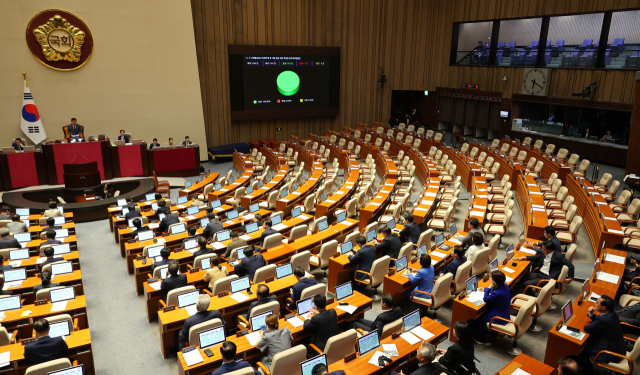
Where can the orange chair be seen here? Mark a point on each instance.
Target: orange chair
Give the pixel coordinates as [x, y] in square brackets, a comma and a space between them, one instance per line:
[162, 187]
[67, 136]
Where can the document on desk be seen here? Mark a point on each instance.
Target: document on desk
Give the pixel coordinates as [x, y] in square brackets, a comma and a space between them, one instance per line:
[593, 297]
[608, 277]
[576, 335]
[193, 357]
[305, 217]
[429, 194]
[248, 216]
[279, 227]
[374, 204]
[181, 206]
[528, 251]
[508, 279]
[192, 310]
[239, 297]
[438, 254]
[14, 284]
[190, 217]
[507, 269]
[253, 337]
[330, 201]
[17, 263]
[607, 257]
[349, 308]
[420, 210]
[480, 208]
[217, 245]
[476, 213]
[295, 322]
[154, 226]
[5, 359]
[245, 237]
[41, 260]
[455, 241]
[59, 306]
[374, 358]
[229, 222]
[520, 371]
[482, 196]
[477, 298]
[426, 202]
[156, 285]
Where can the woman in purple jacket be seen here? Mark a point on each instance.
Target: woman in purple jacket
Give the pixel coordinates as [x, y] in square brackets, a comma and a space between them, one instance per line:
[498, 300]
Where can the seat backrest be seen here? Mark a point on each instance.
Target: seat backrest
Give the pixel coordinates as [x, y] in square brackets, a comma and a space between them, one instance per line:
[584, 165]
[4, 337]
[326, 252]
[538, 144]
[576, 223]
[573, 159]
[61, 318]
[462, 275]
[405, 250]
[544, 297]
[288, 361]
[389, 328]
[495, 143]
[340, 344]
[442, 290]
[200, 327]
[550, 149]
[524, 318]
[301, 260]
[352, 237]
[513, 152]
[479, 261]
[623, 199]
[223, 284]
[172, 296]
[264, 273]
[562, 153]
[504, 148]
[614, 187]
[493, 246]
[47, 367]
[298, 231]
[272, 241]
[379, 270]
[319, 288]
[522, 155]
[197, 262]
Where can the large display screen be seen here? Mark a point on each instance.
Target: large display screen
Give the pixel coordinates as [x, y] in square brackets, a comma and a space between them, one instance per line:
[279, 81]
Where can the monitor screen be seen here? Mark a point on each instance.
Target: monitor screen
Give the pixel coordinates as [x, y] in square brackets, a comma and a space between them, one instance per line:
[22, 237]
[154, 206]
[240, 284]
[368, 343]
[27, 223]
[187, 184]
[453, 229]
[586, 289]
[62, 233]
[346, 247]
[19, 254]
[205, 263]
[193, 210]
[294, 187]
[164, 272]
[223, 236]
[183, 199]
[61, 268]
[180, 228]
[15, 274]
[254, 208]
[233, 214]
[341, 216]
[150, 197]
[161, 216]
[284, 193]
[323, 197]
[308, 365]
[145, 235]
[401, 263]
[75, 370]
[472, 284]
[284, 270]
[58, 220]
[439, 239]
[567, 312]
[59, 329]
[391, 224]
[344, 290]
[260, 184]
[216, 203]
[510, 252]
[248, 190]
[412, 320]
[257, 321]
[493, 266]
[187, 299]
[154, 251]
[422, 250]
[240, 252]
[252, 227]
[10, 303]
[304, 305]
[22, 211]
[275, 220]
[204, 222]
[231, 180]
[62, 294]
[130, 222]
[218, 186]
[190, 244]
[322, 225]
[125, 210]
[296, 211]
[211, 337]
[122, 202]
[371, 235]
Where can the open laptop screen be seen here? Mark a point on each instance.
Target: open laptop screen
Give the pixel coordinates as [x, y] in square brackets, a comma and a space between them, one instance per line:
[62, 294]
[344, 290]
[284, 270]
[308, 365]
[211, 337]
[412, 320]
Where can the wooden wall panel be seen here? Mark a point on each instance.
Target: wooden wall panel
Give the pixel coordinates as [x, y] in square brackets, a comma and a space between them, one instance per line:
[408, 39]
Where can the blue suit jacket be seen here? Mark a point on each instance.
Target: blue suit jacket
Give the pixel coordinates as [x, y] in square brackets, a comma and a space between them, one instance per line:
[199, 317]
[424, 279]
[364, 258]
[298, 287]
[606, 334]
[498, 304]
[452, 267]
[250, 265]
[233, 366]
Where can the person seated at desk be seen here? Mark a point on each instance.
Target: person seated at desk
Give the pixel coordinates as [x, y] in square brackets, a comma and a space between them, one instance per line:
[461, 353]
[16, 226]
[216, 272]
[321, 369]
[2, 268]
[321, 323]
[167, 221]
[390, 244]
[550, 234]
[475, 228]
[45, 282]
[229, 364]
[266, 225]
[498, 303]
[236, 242]
[4, 292]
[387, 315]
[173, 280]
[202, 243]
[154, 144]
[164, 253]
[426, 354]
[6, 213]
[137, 224]
[17, 144]
[49, 252]
[458, 260]
[133, 213]
[250, 263]
[550, 265]
[53, 210]
[606, 136]
[628, 275]
[587, 133]
[411, 230]
[107, 190]
[274, 341]
[123, 137]
[237, 207]
[203, 315]
[8, 242]
[51, 238]
[186, 141]
[192, 234]
[478, 244]
[74, 129]
[51, 224]
[170, 143]
[568, 366]
[163, 208]
[364, 258]
[213, 226]
[423, 277]
[45, 348]
[605, 333]
[298, 287]
[263, 297]
[552, 117]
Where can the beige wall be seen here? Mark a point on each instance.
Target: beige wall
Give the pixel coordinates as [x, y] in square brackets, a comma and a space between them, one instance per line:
[142, 76]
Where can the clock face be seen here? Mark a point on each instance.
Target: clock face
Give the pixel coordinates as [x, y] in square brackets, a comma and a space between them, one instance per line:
[534, 82]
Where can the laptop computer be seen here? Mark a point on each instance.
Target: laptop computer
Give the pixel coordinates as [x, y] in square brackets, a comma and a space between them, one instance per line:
[322, 225]
[371, 235]
[223, 236]
[59, 329]
[10, 303]
[187, 299]
[145, 235]
[401, 265]
[440, 242]
[216, 204]
[346, 247]
[150, 197]
[253, 208]
[341, 216]
[61, 268]
[182, 200]
[368, 342]
[19, 254]
[253, 227]
[240, 284]
[15, 274]
[204, 222]
[304, 305]
[193, 210]
[295, 212]
[62, 294]
[211, 337]
[344, 290]
[411, 321]
[284, 270]
[258, 321]
[75, 370]
[190, 244]
[307, 366]
[180, 228]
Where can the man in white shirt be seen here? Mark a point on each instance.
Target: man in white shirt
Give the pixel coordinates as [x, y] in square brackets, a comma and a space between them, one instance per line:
[550, 265]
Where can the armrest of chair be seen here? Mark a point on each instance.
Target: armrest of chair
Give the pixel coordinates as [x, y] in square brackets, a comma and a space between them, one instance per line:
[149, 276]
[490, 225]
[633, 287]
[513, 305]
[208, 292]
[498, 221]
[366, 273]
[497, 207]
[499, 330]
[535, 287]
[162, 304]
[75, 324]
[636, 328]
[558, 225]
[263, 368]
[312, 346]
[189, 267]
[606, 366]
[420, 291]
[243, 319]
[14, 337]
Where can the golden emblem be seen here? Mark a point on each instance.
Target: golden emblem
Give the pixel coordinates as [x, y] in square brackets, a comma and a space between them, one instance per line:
[60, 41]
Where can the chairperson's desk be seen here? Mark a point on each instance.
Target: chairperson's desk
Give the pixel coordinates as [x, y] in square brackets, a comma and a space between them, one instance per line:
[251, 353]
[560, 345]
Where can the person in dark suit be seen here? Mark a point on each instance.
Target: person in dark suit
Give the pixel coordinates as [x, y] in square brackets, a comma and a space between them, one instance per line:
[229, 364]
[550, 234]
[164, 253]
[202, 243]
[51, 224]
[8, 242]
[605, 334]
[630, 314]
[321, 323]
[263, 297]
[389, 314]
[498, 301]
[552, 117]
[267, 231]
[7, 267]
[364, 258]
[236, 242]
[173, 280]
[6, 213]
[237, 207]
[203, 315]
[4, 292]
[133, 213]
[628, 275]
[568, 366]
[475, 228]
[137, 224]
[587, 133]
[250, 263]
[550, 265]
[45, 348]
[390, 244]
[214, 226]
[192, 234]
[458, 260]
[154, 144]
[411, 230]
[302, 284]
[45, 282]
[187, 141]
[123, 137]
[74, 128]
[50, 235]
[17, 144]
[166, 222]
[321, 369]
[163, 208]
[426, 354]
[462, 352]
[48, 252]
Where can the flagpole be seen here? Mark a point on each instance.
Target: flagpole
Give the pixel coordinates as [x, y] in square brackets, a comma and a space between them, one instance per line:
[25, 78]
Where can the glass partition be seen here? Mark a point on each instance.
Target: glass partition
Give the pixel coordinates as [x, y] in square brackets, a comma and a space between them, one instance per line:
[518, 42]
[473, 43]
[623, 45]
[573, 41]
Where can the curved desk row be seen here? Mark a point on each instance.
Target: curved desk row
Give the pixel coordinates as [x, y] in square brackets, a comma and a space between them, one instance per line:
[241, 163]
[297, 197]
[198, 187]
[351, 174]
[278, 163]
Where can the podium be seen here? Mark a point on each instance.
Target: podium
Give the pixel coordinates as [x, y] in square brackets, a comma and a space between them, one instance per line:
[81, 175]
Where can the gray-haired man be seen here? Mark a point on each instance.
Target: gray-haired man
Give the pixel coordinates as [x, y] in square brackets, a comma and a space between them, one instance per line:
[426, 354]
[203, 315]
[7, 241]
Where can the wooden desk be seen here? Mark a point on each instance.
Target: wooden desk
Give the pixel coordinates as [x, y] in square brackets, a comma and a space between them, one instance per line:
[376, 207]
[240, 163]
[560, 345]
[345, 192]
[43, 228]
[532, 205]
[278, 164]
[297, 197]
[528, 364]
[26, 288]
[34, 219]
[34, 245]
[422, 211]
[198, 187]
[32, 264]
[479, 199]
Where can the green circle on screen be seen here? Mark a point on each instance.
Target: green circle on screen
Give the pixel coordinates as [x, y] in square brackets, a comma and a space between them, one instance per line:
[288, 83]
